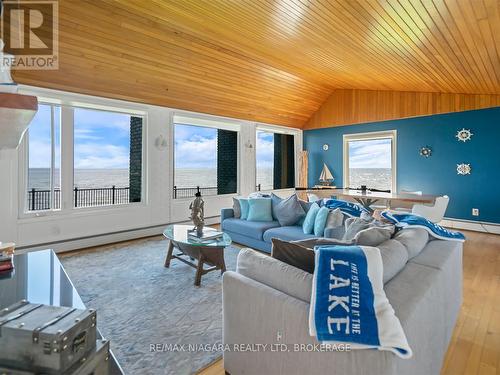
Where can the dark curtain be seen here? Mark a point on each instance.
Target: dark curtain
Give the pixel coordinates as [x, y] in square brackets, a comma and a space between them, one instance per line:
[135, 169]
[227, 161]
[284, 161]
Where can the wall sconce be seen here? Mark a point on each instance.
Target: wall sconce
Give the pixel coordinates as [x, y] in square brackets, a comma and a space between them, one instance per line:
[160, 142]
[248, 145]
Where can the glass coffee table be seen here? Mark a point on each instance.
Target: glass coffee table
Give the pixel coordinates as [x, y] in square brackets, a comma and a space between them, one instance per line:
[196, 254]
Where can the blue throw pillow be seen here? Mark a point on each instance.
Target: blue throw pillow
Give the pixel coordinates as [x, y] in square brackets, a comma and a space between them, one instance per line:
[308, 225]
[244, 208]
[289, 211]
[320, 221]
[259, 209]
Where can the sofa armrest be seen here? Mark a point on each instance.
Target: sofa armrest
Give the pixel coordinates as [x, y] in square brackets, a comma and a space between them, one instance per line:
[226, 213]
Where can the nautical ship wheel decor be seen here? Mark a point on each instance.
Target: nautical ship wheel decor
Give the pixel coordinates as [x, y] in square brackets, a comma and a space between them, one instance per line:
[463, 169]
[464, 135]
[426, 151]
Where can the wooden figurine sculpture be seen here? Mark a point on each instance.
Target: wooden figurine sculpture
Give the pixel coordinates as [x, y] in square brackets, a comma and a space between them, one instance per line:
[197, 213]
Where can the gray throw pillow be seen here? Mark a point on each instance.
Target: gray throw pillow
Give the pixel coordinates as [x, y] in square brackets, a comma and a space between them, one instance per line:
[275, 200]
[236, 208]
[293, 254]
[335, 218]
[374, 235]
[352, 226]
[394, 258]
[288, 211]
[413, 239]
[305, 205]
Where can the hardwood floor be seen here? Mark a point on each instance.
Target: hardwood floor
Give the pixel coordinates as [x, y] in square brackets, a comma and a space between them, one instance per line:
[475, 345]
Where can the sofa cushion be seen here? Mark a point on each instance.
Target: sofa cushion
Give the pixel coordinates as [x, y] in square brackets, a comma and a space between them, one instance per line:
[308, 224]
[275, 274]
[288, 211]
[305, 205]
[236, 208]
[353, 225]
[253, 229]
[293, 254]
[275, 200]
[320, 222]
[259, 209]
[289, 233]
[243, 208]
[335, 218]
[374, 236]
[394, 258]
[414, 239]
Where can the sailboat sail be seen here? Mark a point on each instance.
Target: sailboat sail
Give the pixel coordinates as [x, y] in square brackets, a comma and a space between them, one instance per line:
[326, 175]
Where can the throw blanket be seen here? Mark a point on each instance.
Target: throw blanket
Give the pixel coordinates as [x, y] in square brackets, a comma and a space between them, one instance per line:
[414, 221]
[348, 208]
[348, 302]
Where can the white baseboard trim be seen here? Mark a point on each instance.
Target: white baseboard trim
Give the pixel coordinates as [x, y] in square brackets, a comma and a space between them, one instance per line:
[106, 239]
[476, 226]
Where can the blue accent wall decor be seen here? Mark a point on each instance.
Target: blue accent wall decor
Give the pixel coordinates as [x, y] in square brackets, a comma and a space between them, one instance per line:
[436, 174]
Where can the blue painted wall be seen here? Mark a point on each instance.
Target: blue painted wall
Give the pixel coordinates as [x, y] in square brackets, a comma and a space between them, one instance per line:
[436, 174]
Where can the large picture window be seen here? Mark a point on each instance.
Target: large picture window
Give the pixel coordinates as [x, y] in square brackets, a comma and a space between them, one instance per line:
[205, 159]
[107, 158]
[275, 160]
[44, 160]
[369, 160]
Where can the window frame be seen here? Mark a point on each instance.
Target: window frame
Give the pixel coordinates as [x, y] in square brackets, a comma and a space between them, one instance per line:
[211, 122]
[297, 141]
[24, 161]
[386, 134]
[68, 104]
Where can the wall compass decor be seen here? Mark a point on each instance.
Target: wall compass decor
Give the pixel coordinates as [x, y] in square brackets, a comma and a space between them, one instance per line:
[463, 169]
[425, 151]
[464, 135]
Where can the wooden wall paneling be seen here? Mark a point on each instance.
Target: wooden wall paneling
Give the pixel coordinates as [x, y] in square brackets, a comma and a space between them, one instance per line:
[348, 107]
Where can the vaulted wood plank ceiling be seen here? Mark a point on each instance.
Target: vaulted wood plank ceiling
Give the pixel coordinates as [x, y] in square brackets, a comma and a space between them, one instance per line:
[272, 61]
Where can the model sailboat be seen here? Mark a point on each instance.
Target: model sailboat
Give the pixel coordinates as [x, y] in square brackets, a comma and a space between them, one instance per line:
[326, 177]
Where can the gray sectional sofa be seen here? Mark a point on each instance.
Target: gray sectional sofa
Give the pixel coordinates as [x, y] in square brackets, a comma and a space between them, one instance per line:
[258, 234]
[267, 302]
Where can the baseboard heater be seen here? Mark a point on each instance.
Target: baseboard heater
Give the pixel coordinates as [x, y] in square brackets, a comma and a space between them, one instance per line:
[107, 238]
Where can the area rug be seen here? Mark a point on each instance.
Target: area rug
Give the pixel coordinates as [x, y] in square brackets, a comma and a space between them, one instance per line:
[157, 320]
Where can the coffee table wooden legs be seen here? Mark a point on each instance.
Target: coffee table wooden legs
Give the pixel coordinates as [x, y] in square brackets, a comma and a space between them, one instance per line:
[212, 256]
[170, 251]
[199, 271]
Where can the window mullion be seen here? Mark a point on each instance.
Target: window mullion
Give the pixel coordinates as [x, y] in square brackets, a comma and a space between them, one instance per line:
[67, 158]
[52, 158]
